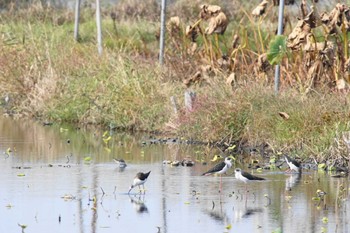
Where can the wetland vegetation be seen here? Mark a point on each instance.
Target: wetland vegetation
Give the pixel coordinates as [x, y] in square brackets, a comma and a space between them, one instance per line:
[48, 76]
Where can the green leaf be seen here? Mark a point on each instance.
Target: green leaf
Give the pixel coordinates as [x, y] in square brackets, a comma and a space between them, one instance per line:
[277, 50]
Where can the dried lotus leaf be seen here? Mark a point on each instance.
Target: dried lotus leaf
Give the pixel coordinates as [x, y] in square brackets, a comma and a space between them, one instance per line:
[208, 11]
[301, 31]
[263, 63]
[217, 24]
[260, 9]
[231, 79]
[192, 32]
[173, 25]
[224, 62]
[194, 78]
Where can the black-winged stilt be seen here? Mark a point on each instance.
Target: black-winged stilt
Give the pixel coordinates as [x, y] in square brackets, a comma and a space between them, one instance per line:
[293, 164]
[220, 168]
[121, 163]
[139, 179]
[245, 176]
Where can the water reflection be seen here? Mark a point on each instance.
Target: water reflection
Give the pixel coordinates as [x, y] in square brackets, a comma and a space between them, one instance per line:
[292, 181]
[138, 202]
[178, 199]
[121, 164]
[249, 212]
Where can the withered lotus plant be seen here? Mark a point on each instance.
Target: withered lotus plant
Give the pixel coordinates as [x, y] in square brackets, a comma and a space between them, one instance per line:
[303, 8]
[192, 49]
[217, 19]
[202, 75]
[193, 79]
[263, 65]
[235, 41]
[192, 32]
[347, 67]
[173, 26]
[334, 18]
[315, 72]
[217, 24]
[231, 79]
[300, 32]
[224, 63]
[209, 11]
[260, 9]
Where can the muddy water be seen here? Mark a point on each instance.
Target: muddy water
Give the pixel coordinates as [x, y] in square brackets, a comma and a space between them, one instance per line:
[61, 179]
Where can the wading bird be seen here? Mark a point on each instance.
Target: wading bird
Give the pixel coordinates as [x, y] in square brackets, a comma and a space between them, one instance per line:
[121, 163]
[139, 179]
[220, 168]
[245, 176]
[293, 164]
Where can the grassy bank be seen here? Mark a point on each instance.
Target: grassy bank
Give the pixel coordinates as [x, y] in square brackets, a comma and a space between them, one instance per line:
[49, 76]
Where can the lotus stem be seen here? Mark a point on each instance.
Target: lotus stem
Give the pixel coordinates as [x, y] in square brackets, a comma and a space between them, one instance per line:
[260, 36]
[217, 43]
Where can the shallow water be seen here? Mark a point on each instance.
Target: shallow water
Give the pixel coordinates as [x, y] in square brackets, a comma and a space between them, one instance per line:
[48, 184]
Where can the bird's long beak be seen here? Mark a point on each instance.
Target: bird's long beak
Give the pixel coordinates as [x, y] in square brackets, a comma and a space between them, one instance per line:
[232, 157]
[129, 189]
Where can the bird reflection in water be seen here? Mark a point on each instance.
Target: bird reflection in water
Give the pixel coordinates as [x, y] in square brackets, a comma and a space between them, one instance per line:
[138, 202]
[292, 181]
[121, 164]
[251, 211]
[217, 213]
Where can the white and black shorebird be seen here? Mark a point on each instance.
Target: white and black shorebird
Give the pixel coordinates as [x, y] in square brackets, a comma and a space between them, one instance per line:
[220, 168]
[245, 176]
[121, 163]
[293, 164]
[139, 179]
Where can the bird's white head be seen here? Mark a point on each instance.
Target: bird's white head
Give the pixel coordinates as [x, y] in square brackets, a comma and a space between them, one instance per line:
[228, 161]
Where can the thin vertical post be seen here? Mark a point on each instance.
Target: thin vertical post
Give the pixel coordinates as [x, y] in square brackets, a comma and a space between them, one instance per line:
[279, 32]
[174, 104]
[162, 32]
[99, 29]
[76, 22]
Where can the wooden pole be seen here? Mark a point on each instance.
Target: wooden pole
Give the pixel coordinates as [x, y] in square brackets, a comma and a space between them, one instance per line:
[99, 30]
[279, 32]
[162, 32]
[76, 23]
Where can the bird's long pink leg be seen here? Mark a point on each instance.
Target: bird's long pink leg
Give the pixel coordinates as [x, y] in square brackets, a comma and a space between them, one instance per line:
[220, 183]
